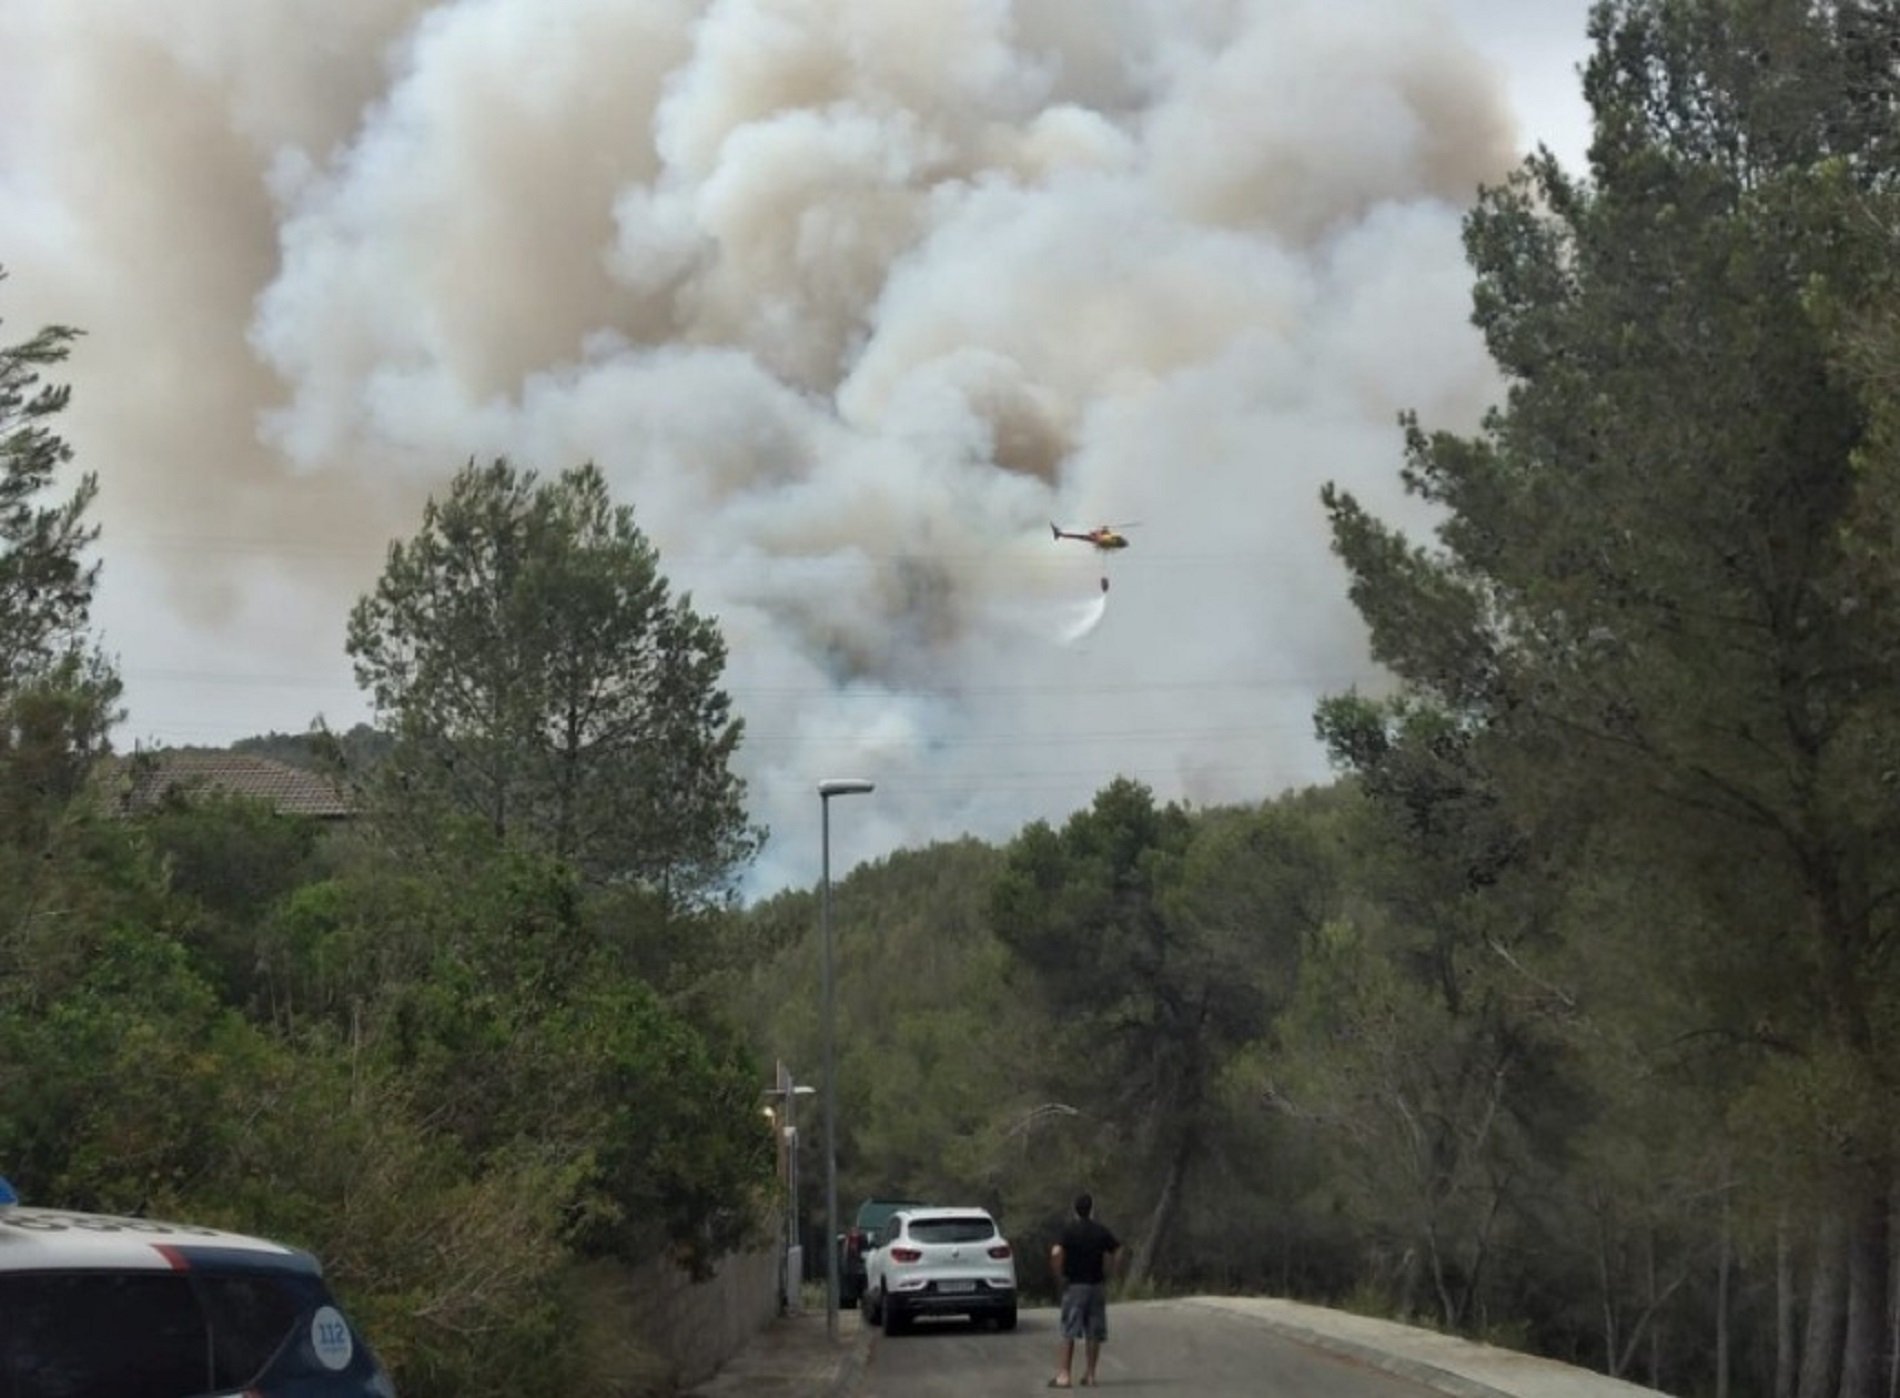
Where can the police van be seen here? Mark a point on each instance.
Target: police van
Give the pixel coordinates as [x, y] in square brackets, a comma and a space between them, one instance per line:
[93, 1306]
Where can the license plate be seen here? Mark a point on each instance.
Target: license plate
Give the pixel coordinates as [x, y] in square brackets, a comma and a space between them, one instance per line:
[956, 1286]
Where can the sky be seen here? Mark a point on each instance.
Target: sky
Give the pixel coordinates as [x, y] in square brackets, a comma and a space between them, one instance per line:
[849, 299]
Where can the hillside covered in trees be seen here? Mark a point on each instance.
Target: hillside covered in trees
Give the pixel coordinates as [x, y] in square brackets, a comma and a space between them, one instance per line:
[1565, 1016]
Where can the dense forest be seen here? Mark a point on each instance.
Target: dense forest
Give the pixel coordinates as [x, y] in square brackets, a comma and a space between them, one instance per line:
[1564, 1016]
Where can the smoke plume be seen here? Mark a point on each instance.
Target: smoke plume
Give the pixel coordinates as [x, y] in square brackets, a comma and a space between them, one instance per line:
[848, 298]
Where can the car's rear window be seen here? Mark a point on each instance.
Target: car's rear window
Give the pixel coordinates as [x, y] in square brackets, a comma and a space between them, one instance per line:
[137, 1334]
[101, 1335]
[271, 1327]
[252, 1317]
[951, 1230]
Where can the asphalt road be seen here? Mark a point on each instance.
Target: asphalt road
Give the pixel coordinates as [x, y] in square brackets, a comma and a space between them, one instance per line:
[1153, 1347]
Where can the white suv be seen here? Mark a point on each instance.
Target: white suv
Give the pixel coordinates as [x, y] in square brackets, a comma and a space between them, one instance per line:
[940, 1262]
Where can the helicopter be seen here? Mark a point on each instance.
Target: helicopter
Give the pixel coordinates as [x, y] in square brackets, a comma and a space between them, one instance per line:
[1105, 537]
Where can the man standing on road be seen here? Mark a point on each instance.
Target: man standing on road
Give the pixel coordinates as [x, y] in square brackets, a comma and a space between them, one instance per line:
[1081, 1259]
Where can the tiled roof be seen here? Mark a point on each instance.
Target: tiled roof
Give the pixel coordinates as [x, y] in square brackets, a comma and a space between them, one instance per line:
[143, 780]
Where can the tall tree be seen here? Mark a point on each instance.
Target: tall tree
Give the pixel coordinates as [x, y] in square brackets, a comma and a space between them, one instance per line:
[56, 692]
[1643, 605]
[540, 677]
[45, 585]
[1153, 988]
[1418, 1053]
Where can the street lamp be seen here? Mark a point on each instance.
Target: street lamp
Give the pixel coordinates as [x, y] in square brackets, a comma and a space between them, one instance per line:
[785, 1119]
[837, 786]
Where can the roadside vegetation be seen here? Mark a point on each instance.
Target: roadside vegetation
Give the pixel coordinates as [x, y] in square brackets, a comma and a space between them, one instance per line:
[446, 1044]
[1566, 1015]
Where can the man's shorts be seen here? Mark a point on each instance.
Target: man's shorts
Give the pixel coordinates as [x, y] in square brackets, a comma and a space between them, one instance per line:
[1085, 1311]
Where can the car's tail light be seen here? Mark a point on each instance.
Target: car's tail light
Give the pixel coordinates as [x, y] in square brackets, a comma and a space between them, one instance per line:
[907, 1255]
[1000, 1251]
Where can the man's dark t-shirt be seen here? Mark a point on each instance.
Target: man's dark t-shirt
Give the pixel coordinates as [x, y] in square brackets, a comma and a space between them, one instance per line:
[1085, 1243]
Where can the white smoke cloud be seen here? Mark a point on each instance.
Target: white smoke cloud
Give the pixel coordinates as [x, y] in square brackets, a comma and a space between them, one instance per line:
[849, 298]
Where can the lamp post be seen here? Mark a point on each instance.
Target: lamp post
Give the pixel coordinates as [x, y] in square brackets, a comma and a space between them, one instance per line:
[837, 786]
[788, 1091]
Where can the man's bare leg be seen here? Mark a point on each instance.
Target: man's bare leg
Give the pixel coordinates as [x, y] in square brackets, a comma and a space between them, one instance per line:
[1094, 1352]
[1066, 1364]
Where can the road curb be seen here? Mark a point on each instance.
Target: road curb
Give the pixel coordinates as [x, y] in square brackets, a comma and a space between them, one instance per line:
[852, 1368]
[1448, 1364]
[1418, 1371]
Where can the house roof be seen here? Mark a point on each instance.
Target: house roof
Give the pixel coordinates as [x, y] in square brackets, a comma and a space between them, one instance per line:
[145, 779]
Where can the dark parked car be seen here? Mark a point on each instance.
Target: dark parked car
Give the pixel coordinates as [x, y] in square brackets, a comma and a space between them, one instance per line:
[873, 1214]
[93, 1306]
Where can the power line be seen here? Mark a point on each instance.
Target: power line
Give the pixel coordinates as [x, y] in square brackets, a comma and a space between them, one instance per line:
[1303, 683]
[939, 745]
[743, 562]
